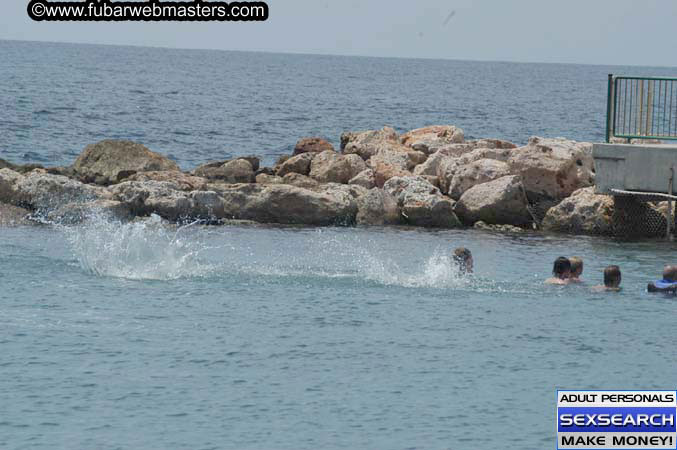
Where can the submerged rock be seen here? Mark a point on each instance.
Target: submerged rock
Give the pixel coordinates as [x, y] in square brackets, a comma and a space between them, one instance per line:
[499, 228]
[497, 202]
[584, 212]
[110, 161]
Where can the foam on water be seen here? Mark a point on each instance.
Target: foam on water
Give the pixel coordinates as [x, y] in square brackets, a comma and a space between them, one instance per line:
[139, 250]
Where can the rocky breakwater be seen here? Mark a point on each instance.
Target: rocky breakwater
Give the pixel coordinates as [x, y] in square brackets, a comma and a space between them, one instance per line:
[429, 177]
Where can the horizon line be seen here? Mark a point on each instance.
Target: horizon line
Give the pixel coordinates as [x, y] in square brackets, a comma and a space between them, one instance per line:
[340, 55]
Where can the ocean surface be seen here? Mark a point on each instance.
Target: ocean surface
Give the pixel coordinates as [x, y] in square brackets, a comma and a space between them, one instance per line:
[149, 336]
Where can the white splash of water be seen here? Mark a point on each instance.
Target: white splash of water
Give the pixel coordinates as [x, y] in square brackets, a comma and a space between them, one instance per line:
[141, 250]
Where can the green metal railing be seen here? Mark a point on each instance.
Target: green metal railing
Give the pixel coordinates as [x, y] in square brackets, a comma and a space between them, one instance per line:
[641, 108]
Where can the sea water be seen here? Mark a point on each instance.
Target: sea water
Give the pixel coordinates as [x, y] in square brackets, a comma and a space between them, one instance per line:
[149, 335]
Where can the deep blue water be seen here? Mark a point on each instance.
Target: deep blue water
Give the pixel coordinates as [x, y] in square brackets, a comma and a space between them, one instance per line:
[145, 336]
[200, 105]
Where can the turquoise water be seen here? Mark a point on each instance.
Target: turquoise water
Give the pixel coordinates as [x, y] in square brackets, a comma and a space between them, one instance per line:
[145, 336]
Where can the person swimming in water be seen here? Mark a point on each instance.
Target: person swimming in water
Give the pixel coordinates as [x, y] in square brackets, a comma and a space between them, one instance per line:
[561, 271]
[669, 282]
[576, 269]
[463, 259]
[612, 279]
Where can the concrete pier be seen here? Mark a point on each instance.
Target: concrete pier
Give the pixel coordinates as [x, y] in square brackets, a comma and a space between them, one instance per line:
[633, 167]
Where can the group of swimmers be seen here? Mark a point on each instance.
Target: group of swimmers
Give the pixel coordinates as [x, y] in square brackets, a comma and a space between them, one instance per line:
[569, 271]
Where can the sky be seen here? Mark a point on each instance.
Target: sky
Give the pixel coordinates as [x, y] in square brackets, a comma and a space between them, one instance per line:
[624, 32]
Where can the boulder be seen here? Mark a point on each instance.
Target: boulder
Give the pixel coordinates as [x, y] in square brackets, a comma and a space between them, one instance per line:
[233, 171]
[312, 145]
[183, 181]
[367, 143]
[478, 172]
[583, 212]
[13, 216]
[432, 164]
[421, 203]
[166, 200]
[429, 139]
[280, 203]
[331, 167]
[74, 213]
[297, 164]
[298, 180]
[553, 168]
[364, 179]
[45, 192]
[384, 172]
[377, 207]
[110, 161]
[497, 202]
[264, 178]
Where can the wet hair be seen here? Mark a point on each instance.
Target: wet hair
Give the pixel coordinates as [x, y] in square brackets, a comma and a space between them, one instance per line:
[561, 265]
[670, 273]
[461, 256]
[576, 264]
[612, 276]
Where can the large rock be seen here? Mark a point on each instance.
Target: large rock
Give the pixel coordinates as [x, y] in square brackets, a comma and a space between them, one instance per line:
[331, 167]
[377, 207]
[429, 139]
[13, 216]
[500, 202]
[74, 213]
[421, 203]
[298, 180]
[20, 168]
[240, 170]
[553, 168]
[364, 179]
[298, 164]
[312, 145]
[45, 192]
[184, 181]
[168, 201]
[583, 212]
[109, 162]
[287, 205]
[264, 178]
[367, 143]
[478, 172]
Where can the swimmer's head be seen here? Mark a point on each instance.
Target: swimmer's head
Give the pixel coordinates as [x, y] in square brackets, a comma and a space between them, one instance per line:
[562, 268]
[576, 266]
[670, 273]
[463, 259]
[612, 277]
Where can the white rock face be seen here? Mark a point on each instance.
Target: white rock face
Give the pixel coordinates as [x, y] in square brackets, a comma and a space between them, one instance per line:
[553, 168]
[497, 202]
[478, 172]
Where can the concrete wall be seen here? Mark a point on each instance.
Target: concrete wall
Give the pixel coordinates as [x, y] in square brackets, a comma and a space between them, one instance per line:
[644, 168]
